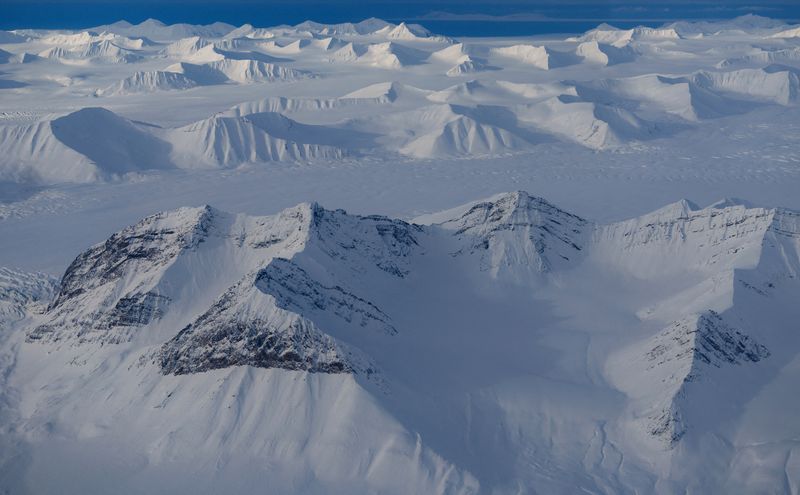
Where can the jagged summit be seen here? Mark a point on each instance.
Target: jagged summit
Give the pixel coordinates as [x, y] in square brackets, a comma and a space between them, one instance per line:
[134, 278]
[113, 287]
[518, 234]
[197, 311]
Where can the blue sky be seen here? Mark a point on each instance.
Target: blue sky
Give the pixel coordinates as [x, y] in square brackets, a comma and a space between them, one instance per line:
[85, 13]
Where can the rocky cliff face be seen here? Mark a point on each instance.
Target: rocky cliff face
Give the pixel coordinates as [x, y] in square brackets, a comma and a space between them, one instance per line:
[274, 315]
[113, 287]
[704, 340]
[267, 321]
[685, 238]
[664, 331]
[686, 351]
[519, 233]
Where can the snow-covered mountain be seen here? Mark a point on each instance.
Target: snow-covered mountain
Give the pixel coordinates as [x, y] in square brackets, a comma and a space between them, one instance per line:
[157, 30]
[254, 138]
[207, 338]
[90, 144]
[97, 144]
[614, 90]
[590, 342]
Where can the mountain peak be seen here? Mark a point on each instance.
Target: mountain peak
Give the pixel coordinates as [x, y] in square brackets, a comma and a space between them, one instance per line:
[150, 22]
[519, 233]
[90, 303]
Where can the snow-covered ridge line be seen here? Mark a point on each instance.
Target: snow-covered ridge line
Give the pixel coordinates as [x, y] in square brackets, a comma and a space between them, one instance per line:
[192, 311]
[515, 238]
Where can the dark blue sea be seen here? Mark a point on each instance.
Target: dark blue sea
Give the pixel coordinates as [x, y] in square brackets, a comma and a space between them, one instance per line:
[566, 18]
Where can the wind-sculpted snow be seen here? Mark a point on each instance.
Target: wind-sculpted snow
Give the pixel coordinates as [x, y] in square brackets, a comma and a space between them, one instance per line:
[376, 94]
[105, 51]
[777, 84]
[147, 82]
[97, 144]
[229, 141]
[185, 46]
[615, 90]
[86, 145]
[623, 37]
[386, 55]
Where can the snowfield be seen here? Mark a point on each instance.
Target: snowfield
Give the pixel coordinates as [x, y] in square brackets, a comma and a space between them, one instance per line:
[232, 259]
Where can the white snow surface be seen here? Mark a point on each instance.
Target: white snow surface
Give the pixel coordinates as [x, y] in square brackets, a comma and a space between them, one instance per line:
[610, 89]
[624, 326]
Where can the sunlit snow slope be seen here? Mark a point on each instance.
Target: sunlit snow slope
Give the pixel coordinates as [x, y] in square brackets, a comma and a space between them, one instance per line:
[501, 346]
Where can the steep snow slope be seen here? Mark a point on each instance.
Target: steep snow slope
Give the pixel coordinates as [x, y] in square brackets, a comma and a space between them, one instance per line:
[601, 54]
[250, 71]
[379, 94]
[115, 144]
[588, 96]
[260, 137]
[105, 51]
[242, 71]
[506, 346]
[683, 354]
[445, 129]
[536, 56]
[593, 125]
[268, 346]
[519, 237]
[164, 249]
[650, 94]
[86, 145]
[386, 55]
[788, 33]
[763, 57]
[79, 38]
[148, 82]
[622, 37]
[95, 144]
[409, 32]
[462, 61]
[214, 53]
[185, 46]
[774, 83]
[185, 75]
[497, 92]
